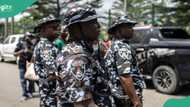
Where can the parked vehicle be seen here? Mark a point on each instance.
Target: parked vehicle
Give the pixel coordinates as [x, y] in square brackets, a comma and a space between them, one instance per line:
[163, 55]
[8, 46]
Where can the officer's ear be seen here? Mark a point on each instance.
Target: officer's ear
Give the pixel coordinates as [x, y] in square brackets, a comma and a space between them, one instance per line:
[116, 32]
[74, 31]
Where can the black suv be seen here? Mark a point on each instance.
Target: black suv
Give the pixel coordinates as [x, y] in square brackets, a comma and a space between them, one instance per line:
[163, 55]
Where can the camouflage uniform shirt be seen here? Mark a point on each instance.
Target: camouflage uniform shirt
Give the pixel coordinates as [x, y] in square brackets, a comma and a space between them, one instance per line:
[77, 70]
[119, 60]
[45, 55]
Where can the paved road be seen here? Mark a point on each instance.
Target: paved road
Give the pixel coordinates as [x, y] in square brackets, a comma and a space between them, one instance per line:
[10, 91]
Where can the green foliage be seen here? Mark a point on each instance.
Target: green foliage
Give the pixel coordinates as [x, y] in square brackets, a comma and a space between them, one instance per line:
[182, 12]
[147, 11]
[44, 8]
[156, 13]
[136, 9]
[95, 3]
[141, 10]
[25, 24]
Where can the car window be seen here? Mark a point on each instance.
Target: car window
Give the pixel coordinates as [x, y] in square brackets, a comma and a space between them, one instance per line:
[6, 41]
[174, 34]
[139, 35]
[13, 39]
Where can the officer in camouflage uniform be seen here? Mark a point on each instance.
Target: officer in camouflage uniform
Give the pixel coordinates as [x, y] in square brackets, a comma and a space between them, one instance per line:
[78, 70]
[44, 61]
[125, 79]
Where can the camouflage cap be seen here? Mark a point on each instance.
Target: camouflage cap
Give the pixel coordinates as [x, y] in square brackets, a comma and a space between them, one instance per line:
[119, 21]
[79, 14]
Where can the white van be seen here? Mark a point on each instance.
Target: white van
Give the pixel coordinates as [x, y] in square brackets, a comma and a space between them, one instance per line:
[8, 46]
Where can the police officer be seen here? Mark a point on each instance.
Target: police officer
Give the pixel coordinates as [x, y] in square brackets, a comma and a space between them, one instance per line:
[126, 80]
[44, 60]
[77, 68]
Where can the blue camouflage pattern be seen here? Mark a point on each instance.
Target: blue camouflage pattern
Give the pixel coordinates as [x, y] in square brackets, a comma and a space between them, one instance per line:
[120, 60]
[81, 76]
[45, 56]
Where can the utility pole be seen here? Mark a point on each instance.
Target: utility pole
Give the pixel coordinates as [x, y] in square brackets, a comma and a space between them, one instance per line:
[58, 8]
[153, 14]
[125, 7]
[6, 28]
[12, 25]
[109, 18]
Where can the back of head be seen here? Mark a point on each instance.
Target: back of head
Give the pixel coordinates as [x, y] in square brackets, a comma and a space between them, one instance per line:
[120, 21]
[79, 14]
[28, 36]
[44, 21]
[47, 20]
[73, 19]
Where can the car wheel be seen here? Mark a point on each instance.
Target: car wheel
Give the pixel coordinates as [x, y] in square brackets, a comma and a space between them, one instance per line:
[165, 79]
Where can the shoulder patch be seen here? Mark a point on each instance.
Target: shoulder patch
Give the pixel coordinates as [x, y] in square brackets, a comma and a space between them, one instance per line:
[125, 53]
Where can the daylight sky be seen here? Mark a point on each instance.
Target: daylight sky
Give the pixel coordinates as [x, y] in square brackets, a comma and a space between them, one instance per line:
[107, 4]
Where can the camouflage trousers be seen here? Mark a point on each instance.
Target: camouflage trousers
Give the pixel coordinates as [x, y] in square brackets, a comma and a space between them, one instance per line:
[85, 103]
[47, 93]
[103, 100]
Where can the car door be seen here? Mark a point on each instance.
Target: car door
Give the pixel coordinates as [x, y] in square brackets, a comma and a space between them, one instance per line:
[12, 46]
[182, 55]
[6, 45]
[140, 42]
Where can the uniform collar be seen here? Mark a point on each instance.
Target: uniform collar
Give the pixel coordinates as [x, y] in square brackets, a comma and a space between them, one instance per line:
[121, 40]
[42, 38]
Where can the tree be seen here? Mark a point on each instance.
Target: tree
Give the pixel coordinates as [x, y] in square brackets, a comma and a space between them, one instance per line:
[43, 8]
[182, 13]
[93, 3]
[24, 25]
[135, 8]
[147, 11]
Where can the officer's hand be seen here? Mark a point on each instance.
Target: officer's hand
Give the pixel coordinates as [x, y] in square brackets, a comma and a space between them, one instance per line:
[137, 104]
[103, 50]
[52, 77]
[26, 50]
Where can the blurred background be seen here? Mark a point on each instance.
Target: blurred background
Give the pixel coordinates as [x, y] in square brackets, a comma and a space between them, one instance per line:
[146, 12]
